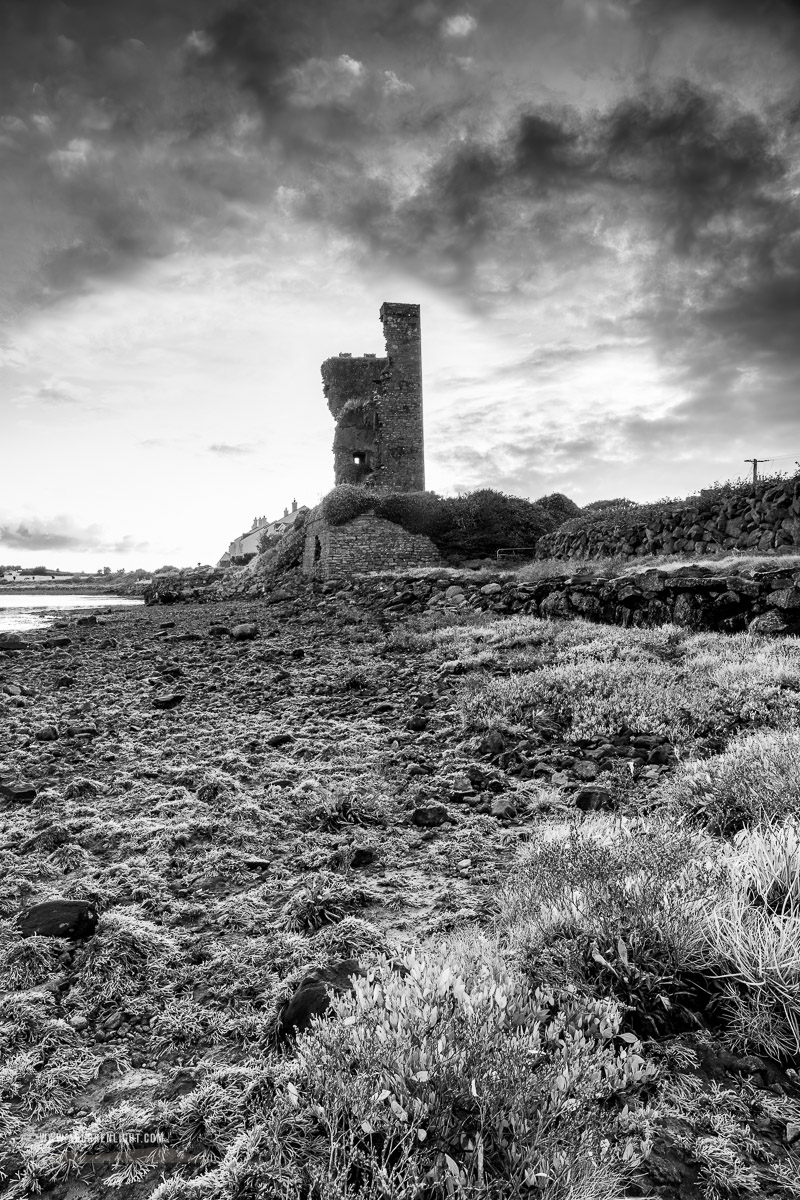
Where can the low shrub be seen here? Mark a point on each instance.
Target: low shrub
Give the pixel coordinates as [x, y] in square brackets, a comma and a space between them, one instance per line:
[755, 779]
[616, 907]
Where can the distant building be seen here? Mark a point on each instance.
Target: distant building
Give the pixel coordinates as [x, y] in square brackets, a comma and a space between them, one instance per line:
[245, 546]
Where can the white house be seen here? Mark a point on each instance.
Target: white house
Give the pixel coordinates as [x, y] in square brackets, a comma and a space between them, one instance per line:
[246, 545]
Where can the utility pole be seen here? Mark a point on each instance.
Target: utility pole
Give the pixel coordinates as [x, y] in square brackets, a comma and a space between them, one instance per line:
[755, 462]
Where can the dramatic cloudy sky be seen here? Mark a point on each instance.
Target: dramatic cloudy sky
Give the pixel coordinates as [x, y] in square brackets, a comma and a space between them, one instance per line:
[596, 202]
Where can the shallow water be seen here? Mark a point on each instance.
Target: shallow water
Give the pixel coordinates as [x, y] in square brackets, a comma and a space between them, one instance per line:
[21, 612]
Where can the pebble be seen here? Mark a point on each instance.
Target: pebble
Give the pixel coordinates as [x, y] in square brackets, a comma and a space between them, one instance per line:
[168, 700]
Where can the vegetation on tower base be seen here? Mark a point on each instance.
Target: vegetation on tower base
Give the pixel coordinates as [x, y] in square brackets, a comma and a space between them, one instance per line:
[473, 525]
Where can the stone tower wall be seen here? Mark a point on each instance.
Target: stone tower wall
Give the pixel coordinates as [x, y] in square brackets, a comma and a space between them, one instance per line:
[377, 405]
[400, 402]
[368, 543]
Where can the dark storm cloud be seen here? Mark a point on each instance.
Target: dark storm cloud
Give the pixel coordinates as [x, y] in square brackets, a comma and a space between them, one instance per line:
[62, 533]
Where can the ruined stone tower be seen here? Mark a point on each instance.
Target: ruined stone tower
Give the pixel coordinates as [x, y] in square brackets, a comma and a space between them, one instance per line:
[377, 405]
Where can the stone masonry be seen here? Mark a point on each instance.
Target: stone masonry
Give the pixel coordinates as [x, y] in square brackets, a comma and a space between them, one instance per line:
[377, 405]
[367, 543]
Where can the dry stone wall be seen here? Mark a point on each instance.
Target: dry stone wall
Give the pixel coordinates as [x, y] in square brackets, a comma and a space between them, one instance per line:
[766, 519]
[761, 601]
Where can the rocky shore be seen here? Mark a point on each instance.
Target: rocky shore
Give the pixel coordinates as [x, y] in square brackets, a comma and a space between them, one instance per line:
[200, 775]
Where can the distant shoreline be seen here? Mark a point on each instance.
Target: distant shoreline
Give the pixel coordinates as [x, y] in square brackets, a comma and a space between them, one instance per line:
[72, 589]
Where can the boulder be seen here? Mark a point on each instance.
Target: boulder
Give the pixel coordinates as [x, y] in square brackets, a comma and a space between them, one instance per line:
[768, 623]
[76, 919]
[11, 641]
[310, 998]
[244, 632]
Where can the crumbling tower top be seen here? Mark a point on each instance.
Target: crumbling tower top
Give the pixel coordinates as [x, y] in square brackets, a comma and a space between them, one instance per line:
[377, 403]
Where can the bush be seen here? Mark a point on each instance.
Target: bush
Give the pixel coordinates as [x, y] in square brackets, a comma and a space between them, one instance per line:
[559, 506]
[603, 506]
[461, 1079]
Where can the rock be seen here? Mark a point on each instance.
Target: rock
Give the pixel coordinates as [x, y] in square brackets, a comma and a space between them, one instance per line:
[11, 641]
[784, 598]
[87, 729]
[76, 919]
[90, 620]
[362, 856]
[47, 733]
[22, 793]
[417, 724]
[310, 998]
[218, 630]
[107, 644]
[792, 1132]
[585, 770]
[591, 799]
[78, 1021]
[65, 681]
[279, 739]
[768, 624]
[244, 632]
[11, 689]
[491, 589]
[428, 815]
[298, 652]
[168, 700]
[503, 808]
[492, 743]
[58, 643]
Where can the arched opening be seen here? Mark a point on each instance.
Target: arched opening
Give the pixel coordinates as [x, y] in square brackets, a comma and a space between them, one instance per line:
[317, 549]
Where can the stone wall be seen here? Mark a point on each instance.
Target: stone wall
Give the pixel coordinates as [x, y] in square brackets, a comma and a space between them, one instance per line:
[766, 519]
[762, 601]
[368, 543]
[377, 405]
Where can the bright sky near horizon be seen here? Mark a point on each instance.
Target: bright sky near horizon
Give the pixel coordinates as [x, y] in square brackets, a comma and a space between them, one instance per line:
[595, 202]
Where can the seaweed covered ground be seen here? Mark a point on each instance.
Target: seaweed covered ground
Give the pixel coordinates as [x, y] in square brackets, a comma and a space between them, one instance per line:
[544, 868]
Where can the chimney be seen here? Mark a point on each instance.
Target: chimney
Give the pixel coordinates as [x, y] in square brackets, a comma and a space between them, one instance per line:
[286, 512]
[294, 506]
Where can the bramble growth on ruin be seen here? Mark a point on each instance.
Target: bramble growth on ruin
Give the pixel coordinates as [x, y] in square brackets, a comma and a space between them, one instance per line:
[377, 405]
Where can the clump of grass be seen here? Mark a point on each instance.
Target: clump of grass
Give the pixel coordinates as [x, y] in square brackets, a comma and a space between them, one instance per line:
[338, 806]
[352, 937]
[80, 786]
[126, 955]
[26, 962]
[323, 899]
[754, 933]
[756, 778]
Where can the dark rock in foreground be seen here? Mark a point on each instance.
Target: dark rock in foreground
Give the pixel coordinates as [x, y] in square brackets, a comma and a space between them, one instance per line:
[310, 998]
[76, 919]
